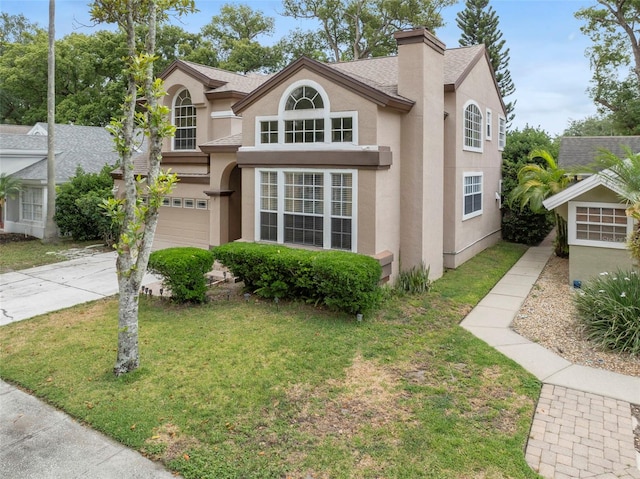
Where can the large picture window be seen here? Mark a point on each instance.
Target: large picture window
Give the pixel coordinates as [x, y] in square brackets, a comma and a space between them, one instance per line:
[31, 204]
[184, 119]
[306, 207]
[598, 224]
[472, 128]
[472, 196]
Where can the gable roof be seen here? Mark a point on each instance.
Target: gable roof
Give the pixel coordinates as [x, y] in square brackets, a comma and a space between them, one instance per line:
[583, 150]
[218, 81]
[340, 74]
[375, 78]
[580, 188]
[90, 147]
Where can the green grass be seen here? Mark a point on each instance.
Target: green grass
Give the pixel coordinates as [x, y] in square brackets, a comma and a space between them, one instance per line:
[19, 255]
[256, 390]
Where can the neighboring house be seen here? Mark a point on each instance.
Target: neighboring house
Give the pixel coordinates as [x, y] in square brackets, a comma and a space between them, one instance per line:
[582, 151]
[598, 227]
[397, 157]
[24, 156]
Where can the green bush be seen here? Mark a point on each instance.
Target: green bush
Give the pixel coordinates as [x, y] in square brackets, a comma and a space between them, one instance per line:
[609, 308]
[525, 227]
[341, 280]
[183, 272]
[78, 207]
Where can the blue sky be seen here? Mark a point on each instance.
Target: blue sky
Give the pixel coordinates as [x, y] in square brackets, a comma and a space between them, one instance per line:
[548, 66]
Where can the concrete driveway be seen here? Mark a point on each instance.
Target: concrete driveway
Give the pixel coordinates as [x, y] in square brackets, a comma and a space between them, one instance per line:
[34, 291]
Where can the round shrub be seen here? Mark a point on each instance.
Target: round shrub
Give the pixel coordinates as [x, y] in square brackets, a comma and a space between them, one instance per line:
[609, 308]
[183, 272]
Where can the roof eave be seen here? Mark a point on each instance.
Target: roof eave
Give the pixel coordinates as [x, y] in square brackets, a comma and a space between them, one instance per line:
[189, 70]
[580, 188]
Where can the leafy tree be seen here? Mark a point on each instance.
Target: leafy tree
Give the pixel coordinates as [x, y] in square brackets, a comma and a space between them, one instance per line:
[137, 218]
[355, 29]
[234, 32]
[612, 27]
[625, 174]
[521, 225]
[16, 29]
[596, 125]
[299, 43]
[479, 24]
[538, 182]
[79, 211]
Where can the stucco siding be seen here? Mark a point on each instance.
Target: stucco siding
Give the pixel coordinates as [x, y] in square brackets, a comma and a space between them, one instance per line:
[463, 238]
[587, 262]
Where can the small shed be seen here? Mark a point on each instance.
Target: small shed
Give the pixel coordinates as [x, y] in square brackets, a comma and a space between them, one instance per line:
[597, 225]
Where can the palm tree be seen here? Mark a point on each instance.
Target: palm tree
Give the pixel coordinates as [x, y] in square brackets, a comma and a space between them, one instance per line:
[10, 187]
[536, 182]
[624, 173]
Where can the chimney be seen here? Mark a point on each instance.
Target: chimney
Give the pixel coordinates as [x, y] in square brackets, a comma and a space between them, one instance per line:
[421, 79]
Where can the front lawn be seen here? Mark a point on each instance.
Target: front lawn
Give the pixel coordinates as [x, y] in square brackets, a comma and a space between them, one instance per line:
[237, 389]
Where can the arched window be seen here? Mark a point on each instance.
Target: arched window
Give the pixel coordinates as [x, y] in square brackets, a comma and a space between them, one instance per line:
[184, 119]
[472, 128]
[304, 98]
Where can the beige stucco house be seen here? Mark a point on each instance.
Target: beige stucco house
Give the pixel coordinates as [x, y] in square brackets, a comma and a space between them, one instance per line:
[398, 157]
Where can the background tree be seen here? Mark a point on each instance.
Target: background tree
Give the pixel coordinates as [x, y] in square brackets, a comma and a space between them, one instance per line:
[595, 125]
[16, 29]
[355, 29]
[234, 35]
[137, 219]
[615, 59]
[538, 182]
[522, 225]
[479, 24]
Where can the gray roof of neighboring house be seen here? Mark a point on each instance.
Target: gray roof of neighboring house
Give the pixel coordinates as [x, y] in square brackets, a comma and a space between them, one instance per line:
[577, 151]
[88, 147]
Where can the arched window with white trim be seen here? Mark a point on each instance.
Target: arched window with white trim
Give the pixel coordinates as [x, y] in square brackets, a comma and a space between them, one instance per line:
[472, 127]
[184, 119]
[305, 117]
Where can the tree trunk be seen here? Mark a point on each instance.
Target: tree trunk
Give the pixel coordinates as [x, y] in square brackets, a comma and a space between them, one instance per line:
[128, 358]
[50, 228]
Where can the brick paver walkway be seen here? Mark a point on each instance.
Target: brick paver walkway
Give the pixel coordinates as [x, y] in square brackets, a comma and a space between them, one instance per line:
[579, 435]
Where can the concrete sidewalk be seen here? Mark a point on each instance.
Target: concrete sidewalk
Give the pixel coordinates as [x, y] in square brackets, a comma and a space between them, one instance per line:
[583, 425]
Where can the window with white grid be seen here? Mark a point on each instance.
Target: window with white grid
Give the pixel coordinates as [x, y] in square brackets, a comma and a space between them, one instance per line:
[308, 207]
[184, 119]
[31, 204]
[472, 200]
[269, 131]
[472, 128]
[598, 224]
[341, 210]
[305, 117]
[304, 131]
[502, 133]
[269, 205]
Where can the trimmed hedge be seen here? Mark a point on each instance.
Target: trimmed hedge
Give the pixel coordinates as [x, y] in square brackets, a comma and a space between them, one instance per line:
[341, 280]
[183, 272]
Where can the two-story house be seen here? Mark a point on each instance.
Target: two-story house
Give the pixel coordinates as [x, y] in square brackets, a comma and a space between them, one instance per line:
[396, 157]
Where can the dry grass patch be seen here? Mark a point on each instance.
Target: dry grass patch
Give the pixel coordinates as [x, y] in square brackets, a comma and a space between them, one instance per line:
[169, 443]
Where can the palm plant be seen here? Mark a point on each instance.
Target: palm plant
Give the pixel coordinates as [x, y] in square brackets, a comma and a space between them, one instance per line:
[10, 187]
[624, 173]
[537, 182]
